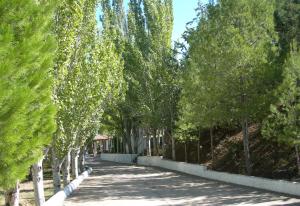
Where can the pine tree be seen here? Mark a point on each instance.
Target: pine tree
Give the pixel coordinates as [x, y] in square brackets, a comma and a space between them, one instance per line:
[230, 66]
[283, 124]
[26, 112]
[287, 24]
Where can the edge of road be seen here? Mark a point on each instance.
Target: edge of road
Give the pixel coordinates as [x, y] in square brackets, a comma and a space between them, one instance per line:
[59, 198]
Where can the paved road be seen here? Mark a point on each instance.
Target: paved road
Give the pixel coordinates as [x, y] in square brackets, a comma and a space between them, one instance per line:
[114, 184]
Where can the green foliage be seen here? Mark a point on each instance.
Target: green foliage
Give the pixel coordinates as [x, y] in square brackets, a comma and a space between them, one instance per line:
[126, 76]
[287, 22]
[88, 74]
[150, 71]
[228, 66]
[183, 131]
[283, 123]
[283, 120]
[26, 109]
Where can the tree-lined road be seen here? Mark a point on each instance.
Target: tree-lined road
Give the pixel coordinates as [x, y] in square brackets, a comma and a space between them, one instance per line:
[113, 184]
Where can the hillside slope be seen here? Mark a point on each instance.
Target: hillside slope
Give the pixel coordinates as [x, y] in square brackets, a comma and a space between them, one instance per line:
[269, 159]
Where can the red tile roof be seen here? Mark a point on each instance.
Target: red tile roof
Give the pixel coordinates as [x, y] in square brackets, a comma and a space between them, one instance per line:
[101, 137]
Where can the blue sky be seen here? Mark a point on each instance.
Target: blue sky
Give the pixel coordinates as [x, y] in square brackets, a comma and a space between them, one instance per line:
[184, 12]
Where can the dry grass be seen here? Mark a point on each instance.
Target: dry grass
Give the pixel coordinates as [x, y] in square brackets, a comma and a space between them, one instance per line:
[27, 193]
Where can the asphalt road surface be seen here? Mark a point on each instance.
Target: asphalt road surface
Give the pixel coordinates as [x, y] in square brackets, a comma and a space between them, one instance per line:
[113, 184]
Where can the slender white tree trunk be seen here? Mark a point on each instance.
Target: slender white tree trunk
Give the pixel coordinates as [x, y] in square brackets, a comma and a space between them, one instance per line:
[56, 165]
[83, 160]
[12, 197]
[75, 153]
[149, 146]
[126, 147]
[38, 183]
[66, 169]
[163, 143]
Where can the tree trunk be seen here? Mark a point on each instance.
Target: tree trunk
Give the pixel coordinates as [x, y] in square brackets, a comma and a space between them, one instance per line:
[149, 146]
[163, 144]
[185, 151]
[12, 197]
[127, 141]
[155, 143]
[136, 140]
[298, 159]
[140, 142]
[95, 148]
[75, 153]
[122, 146]
[117, 145]
[127, 147]
[173, 148]
[211, 144]
[111, 145]
[38, 183]
[246, 146]
[245, 129]
[66, 169]
[132, 140]
[82, 159]
[198, 148]
[55, 172]
[127, 131]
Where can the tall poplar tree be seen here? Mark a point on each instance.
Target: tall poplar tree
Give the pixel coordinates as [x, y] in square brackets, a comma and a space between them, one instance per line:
[67, 25]
[148, 64]
[88, 73]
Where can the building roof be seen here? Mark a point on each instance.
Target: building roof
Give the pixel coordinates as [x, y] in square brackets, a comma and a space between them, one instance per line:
[99, 137]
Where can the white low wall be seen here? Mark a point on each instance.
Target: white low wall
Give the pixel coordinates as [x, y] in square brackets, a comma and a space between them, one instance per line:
[121, 158]
[281, 186]
[59, 198]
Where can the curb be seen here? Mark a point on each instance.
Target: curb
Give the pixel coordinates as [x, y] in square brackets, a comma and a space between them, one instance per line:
[59, 198]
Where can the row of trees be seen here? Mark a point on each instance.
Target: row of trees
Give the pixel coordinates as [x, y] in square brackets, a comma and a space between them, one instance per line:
[242, 67]
[57, 74]
[65, 77]
[150, 72]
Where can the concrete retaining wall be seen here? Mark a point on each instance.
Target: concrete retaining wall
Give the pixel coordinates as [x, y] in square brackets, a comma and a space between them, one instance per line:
[121, 158]
[59, 198]
[281, 186]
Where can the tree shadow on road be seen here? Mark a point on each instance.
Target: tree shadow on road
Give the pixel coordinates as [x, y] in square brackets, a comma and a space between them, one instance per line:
[115, 182]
